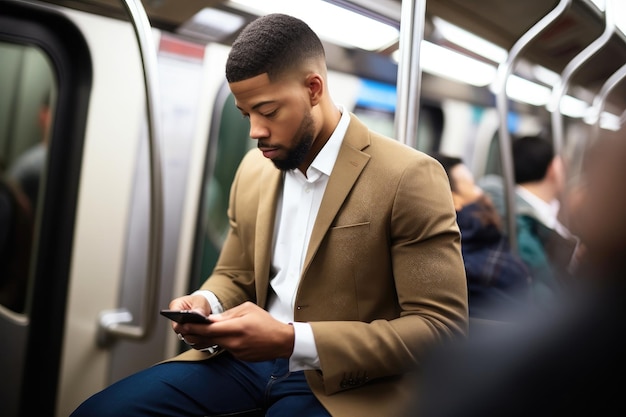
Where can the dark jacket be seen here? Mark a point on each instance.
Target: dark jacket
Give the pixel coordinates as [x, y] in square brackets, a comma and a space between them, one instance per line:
[498, 281]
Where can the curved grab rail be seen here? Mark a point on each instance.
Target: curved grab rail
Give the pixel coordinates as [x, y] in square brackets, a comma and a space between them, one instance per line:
[504, 71]
[116, 323]
[409, 73]
[599, 100]
[568, 72]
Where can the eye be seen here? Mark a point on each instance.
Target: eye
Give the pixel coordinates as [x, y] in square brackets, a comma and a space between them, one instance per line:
[270, 114]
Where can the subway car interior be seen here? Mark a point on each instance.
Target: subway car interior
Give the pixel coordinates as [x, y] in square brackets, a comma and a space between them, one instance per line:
[131, 139]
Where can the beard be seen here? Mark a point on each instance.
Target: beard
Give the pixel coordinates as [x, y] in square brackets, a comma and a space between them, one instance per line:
[304, 141]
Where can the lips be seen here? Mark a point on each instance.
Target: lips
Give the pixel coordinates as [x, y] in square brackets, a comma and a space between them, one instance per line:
[269, 152]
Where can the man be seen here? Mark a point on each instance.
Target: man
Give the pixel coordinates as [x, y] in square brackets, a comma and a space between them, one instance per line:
[342, 266]
[544, 244]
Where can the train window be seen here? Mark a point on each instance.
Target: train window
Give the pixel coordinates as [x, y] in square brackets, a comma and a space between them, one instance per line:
[28, 86]
[376, 105]
[228, 143]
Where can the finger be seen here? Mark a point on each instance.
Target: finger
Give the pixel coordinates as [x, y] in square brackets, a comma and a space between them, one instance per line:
[218, 317]
[204, 347]
[191, 302]
[201, 304]
[188, 329]
[181, 303]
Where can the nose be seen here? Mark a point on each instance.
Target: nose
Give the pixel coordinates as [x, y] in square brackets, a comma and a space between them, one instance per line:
[258, 130]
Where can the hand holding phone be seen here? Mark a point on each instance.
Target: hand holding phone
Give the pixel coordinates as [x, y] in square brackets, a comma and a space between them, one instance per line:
[185, 316]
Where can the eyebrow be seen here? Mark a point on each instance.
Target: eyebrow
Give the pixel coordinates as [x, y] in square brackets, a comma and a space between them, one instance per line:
[256, 106]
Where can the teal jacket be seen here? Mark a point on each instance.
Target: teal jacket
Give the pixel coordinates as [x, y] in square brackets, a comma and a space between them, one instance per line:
[547, 255]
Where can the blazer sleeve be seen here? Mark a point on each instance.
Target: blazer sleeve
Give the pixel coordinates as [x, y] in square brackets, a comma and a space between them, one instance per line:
[233, 278]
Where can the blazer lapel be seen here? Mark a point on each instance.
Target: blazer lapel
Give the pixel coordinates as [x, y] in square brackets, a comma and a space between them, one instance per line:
[350, 162]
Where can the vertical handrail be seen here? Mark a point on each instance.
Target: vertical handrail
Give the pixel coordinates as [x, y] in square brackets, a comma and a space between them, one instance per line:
[599, 100]
[116, 323]
[568, 72]
[504, 71]
[409, 71]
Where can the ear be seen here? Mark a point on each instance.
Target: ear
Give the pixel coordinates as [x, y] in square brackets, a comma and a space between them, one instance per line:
[315, 85]
[556, 169]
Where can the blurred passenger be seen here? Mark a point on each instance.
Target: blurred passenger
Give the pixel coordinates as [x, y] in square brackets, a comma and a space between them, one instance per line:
[19, 188]
[28, 168]
[598, 213]
[16, 234]
[544, 244]
[497, 279]
[564, 363]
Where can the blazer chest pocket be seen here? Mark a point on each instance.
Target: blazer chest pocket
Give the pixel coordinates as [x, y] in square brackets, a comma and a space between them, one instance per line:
[348, 227]
[350, 236]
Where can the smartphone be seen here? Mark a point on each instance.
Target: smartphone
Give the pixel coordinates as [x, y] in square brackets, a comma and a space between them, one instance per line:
[185, 316]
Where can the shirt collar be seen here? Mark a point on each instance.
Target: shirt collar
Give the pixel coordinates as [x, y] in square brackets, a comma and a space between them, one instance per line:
[327, 156]
[545, 212]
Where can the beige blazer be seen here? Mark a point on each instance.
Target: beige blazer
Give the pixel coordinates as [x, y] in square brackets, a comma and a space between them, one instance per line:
[383, 278]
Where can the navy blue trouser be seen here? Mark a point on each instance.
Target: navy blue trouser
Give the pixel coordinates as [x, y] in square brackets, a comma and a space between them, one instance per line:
[216, 386]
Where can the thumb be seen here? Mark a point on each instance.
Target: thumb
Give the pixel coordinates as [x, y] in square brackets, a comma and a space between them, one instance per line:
[231, 313]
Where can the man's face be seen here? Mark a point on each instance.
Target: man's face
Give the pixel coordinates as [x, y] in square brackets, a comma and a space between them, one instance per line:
[280, 118]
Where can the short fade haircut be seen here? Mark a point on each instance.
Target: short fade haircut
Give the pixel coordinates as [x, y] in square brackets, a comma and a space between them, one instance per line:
[272, 44]
[532, 156]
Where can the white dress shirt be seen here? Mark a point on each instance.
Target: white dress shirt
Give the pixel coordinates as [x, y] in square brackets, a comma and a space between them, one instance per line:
[296, 213]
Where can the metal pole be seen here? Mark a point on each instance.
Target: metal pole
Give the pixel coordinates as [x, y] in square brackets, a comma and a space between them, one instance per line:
[409, 71]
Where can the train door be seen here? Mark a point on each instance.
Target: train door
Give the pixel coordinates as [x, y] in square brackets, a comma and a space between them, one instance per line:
[45, 77]
[187, 86]
[86, 254]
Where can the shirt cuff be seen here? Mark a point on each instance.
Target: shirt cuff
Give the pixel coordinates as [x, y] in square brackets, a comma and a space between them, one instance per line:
[304, 354]
[216, 306]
